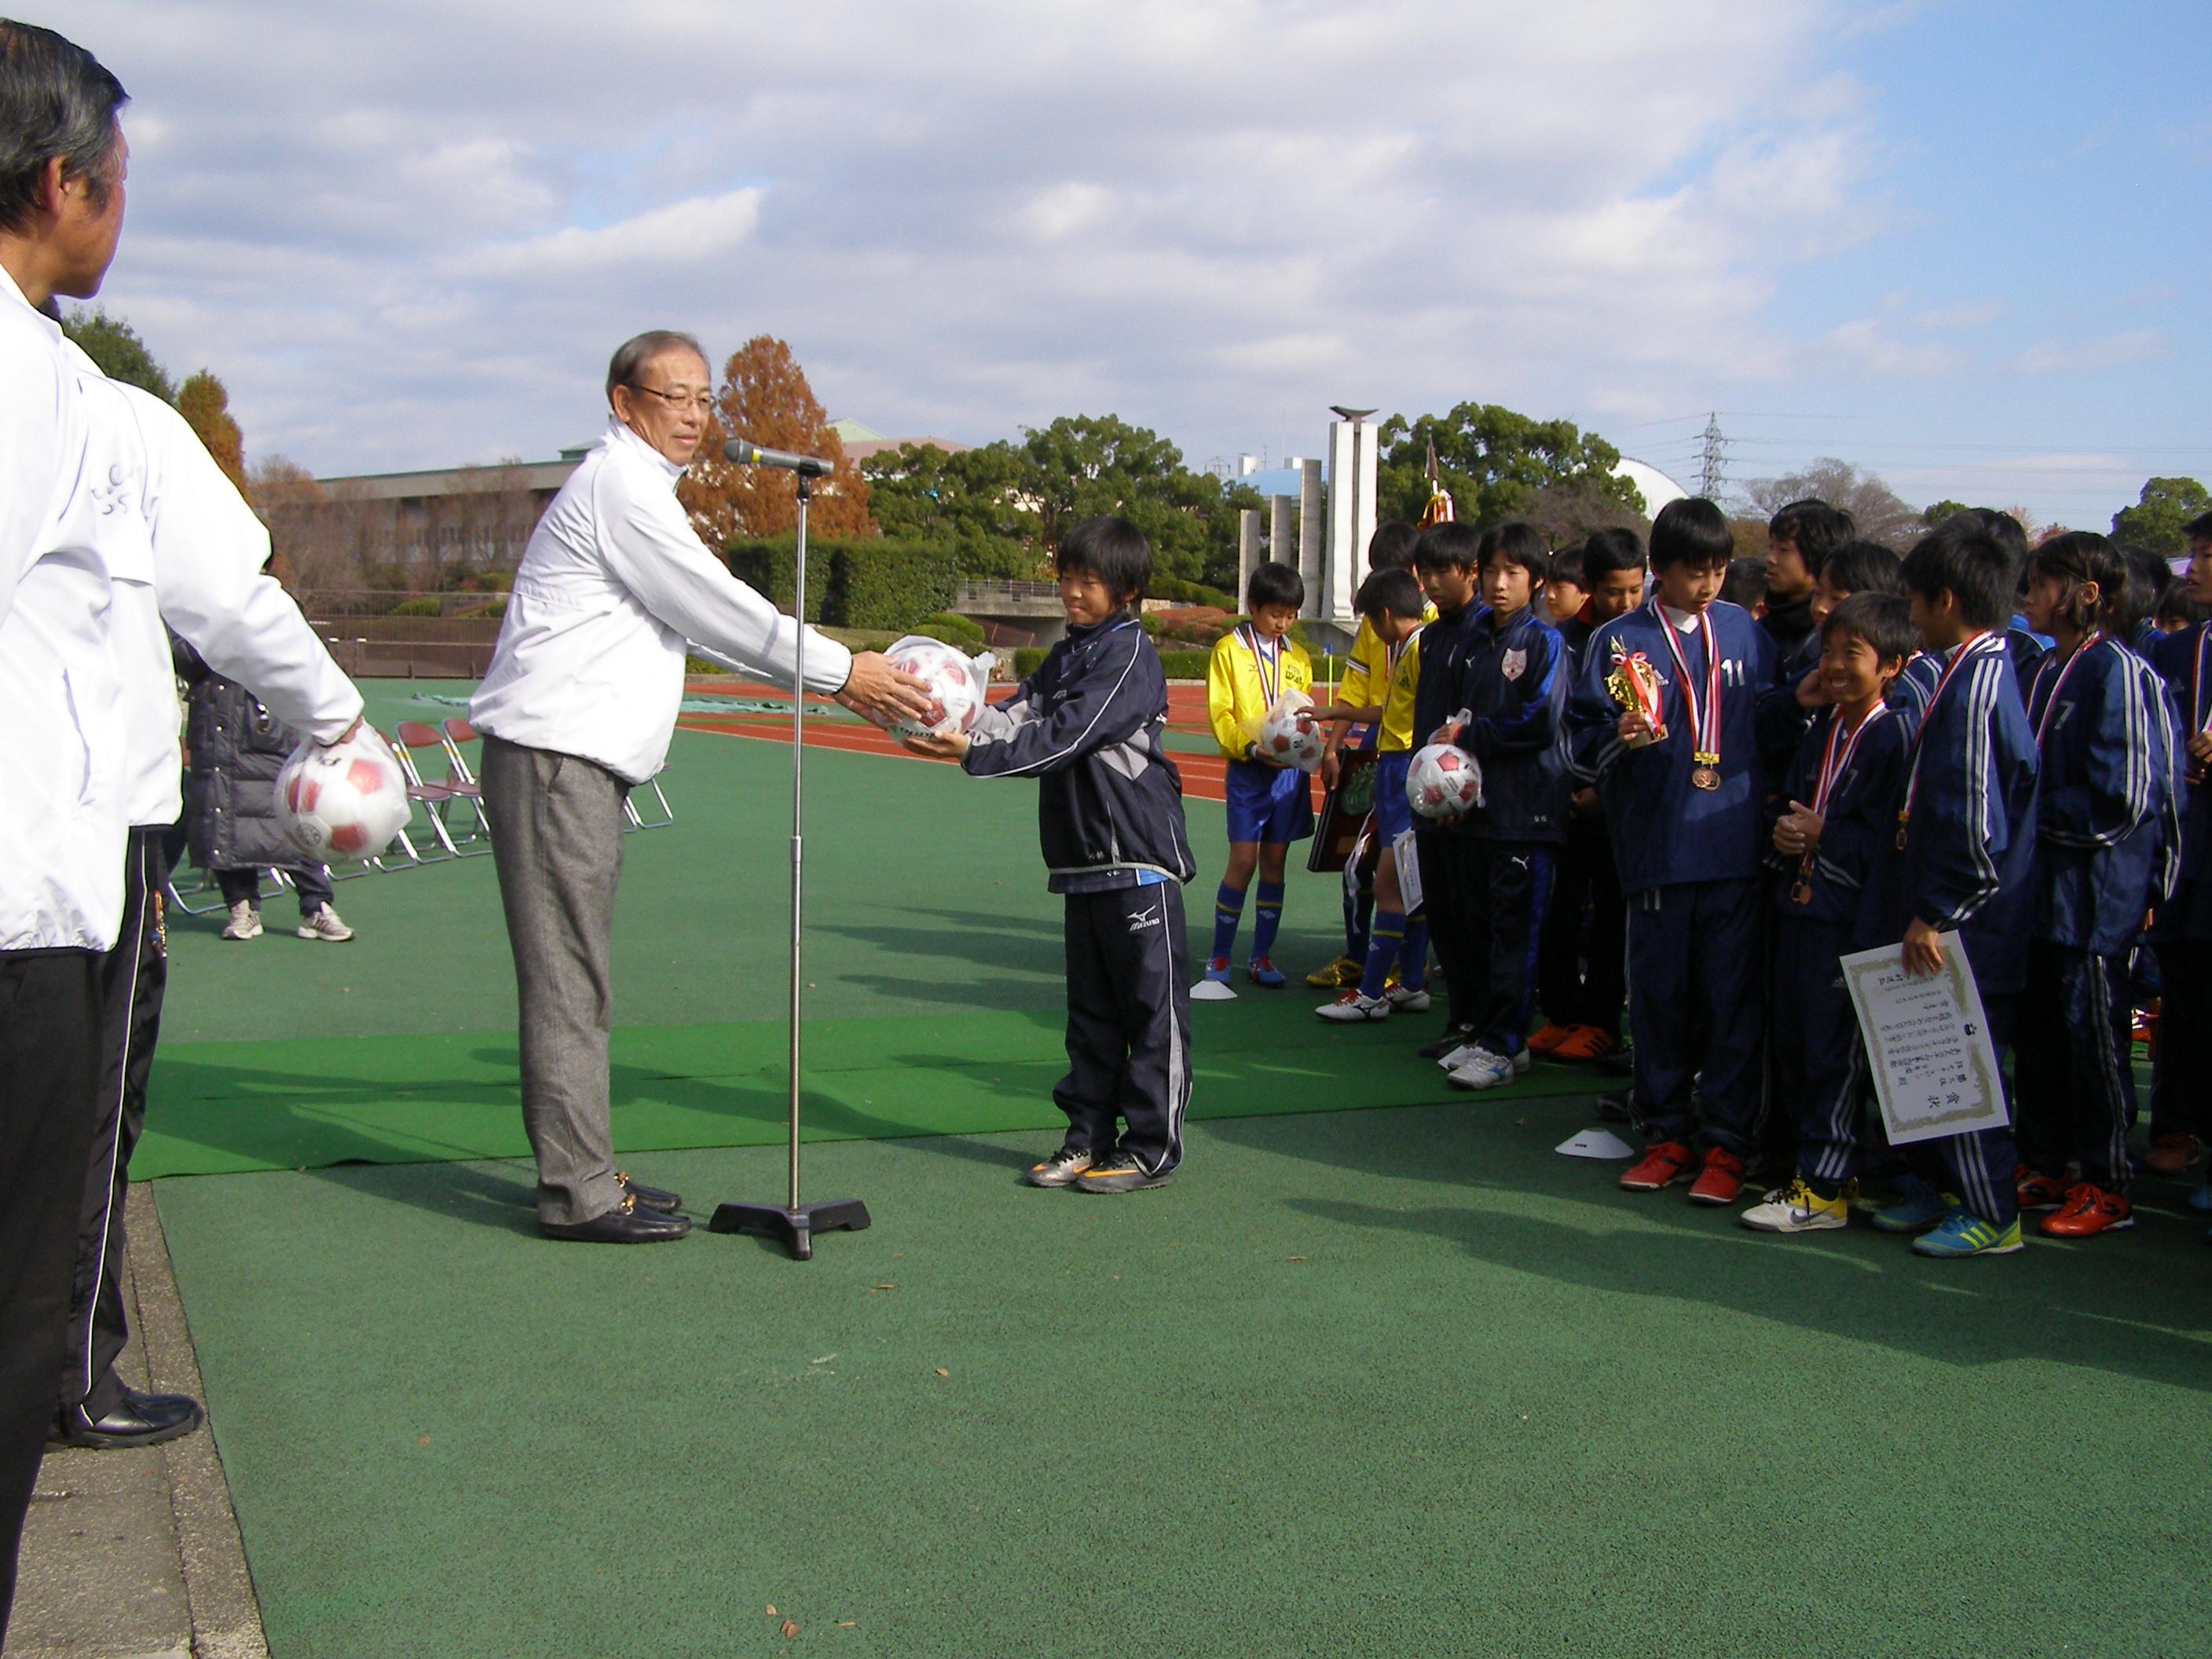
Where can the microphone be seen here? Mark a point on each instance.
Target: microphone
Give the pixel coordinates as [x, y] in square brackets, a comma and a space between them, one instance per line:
[739, 452]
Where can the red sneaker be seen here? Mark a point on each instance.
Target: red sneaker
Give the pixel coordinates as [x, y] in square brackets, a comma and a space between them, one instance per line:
[1720, 1179]
[2040, 1191]
[1585, 1043]
[1662, 1165]
[2090, 1210]
[1550, 1037]
[2172, 1153]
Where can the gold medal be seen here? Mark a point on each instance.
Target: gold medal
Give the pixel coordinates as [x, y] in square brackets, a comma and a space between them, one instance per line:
[1706, 774]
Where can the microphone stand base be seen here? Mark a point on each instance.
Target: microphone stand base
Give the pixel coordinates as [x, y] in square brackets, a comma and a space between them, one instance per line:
[795, 1226]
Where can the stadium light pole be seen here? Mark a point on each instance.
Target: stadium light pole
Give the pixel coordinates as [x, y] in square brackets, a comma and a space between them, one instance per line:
[793, 1221]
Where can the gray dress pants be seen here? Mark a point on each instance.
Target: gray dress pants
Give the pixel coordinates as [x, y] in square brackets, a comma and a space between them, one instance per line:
[557, 843]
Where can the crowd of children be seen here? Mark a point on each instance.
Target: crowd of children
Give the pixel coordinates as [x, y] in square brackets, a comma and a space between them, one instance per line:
[1692, 808]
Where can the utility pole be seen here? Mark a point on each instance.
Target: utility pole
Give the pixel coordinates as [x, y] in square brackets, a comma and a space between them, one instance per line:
[1713, 473]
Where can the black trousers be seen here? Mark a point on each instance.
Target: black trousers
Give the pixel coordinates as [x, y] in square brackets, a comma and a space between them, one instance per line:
[1501, 888]
[49, 1072]
[132, 977]
[1461, 953]
[1582, 965]
[2181, 1077]
[1129, 1023]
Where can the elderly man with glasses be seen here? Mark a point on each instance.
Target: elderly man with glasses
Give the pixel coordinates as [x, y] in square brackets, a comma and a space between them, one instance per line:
[614, 589]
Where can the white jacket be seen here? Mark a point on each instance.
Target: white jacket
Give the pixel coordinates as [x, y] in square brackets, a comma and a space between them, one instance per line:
[612, 585]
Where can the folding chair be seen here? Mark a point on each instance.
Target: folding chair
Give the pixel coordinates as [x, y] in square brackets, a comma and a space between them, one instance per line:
[271, 882]
[430, 796]
[459, 784]
[637, 821]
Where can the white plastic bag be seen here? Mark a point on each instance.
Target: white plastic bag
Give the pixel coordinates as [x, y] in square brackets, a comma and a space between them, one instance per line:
[958, 684]
[1290, 735]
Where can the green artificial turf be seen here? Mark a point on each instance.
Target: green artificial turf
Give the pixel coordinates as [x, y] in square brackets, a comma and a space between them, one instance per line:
[1388, 1382]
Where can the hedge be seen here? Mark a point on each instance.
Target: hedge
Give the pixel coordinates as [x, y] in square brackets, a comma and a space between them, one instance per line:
[1178, 665]
[1189, 592]
[954, 629]
[869, 582]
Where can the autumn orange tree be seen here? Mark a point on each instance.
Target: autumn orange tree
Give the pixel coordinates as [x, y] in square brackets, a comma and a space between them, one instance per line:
[204, 402]
[765, 398]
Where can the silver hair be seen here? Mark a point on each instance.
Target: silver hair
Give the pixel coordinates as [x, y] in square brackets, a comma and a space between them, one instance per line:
[634, 354]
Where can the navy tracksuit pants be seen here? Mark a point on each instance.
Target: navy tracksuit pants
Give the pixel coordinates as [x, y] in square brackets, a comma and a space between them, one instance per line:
[1696, 1010]
[1581, 969]
[1494, 895]
[1129, 1024]
[1978, 1167]
[2076, 1095]
[2181, 1077]
[1821, 1086]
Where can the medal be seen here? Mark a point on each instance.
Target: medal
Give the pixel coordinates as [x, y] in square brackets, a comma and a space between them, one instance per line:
[1800, 891]
[1835, 761]
[1269, 663]
[1704, 714]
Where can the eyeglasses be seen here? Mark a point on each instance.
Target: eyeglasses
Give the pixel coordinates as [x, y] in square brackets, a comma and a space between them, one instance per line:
[702, 401]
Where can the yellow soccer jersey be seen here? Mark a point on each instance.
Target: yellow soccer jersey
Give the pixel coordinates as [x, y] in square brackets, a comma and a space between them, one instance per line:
[1402, 674]
[1245, 675]
[1369, 679]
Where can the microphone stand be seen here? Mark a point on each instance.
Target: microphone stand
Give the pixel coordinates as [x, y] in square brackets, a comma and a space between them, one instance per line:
[794, 1222]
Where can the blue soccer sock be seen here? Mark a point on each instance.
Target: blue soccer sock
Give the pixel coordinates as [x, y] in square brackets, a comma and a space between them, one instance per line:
[1228, 911]
[1266, 916]
[1414, 960]
[1383, 944]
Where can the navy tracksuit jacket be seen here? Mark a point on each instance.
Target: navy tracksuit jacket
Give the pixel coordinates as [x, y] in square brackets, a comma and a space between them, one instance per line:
[1690, 862]
[2181, 1076]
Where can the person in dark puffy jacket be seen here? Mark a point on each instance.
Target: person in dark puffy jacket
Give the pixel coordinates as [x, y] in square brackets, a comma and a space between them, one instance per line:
[237, 747]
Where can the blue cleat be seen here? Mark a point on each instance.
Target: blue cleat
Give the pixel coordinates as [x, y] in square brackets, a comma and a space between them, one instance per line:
[1263, 972]
[1964, 1233]
[1916, 1207]
[2201, 1197]
[1217, 970]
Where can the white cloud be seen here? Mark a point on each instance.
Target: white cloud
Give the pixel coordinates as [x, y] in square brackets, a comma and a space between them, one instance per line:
[2140, 345]
[409, 233]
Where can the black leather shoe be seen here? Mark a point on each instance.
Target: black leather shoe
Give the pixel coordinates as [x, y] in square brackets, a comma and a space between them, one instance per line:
[629, 1223]
[650, 1198]
[1454, 1037]
[138, 1419]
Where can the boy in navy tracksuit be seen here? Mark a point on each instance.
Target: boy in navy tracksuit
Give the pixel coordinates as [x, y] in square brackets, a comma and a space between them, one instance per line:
[1683, 805]
[2108, 842]
[2181, 1074]
[1447, 560]
[1840, 804]
[1087, 725]
[1962, 860]
[1513, 684]
[1581, 960]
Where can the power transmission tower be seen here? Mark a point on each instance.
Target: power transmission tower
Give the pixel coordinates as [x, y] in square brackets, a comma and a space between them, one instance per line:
[1713, 474]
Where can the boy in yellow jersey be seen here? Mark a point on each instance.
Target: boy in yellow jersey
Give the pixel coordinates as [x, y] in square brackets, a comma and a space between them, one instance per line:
[1391, 604]
[1270, 806]
[1390, 548]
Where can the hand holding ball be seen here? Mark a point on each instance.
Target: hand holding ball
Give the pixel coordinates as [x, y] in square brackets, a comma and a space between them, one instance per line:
[346, 801]
[1443, 782]
[956, 685]
[1289, 736]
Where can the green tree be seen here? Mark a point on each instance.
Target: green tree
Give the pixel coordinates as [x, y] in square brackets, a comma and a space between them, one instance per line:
[970, 498]
[115, 346]
[1934, 514]
[2155, 522]
[1497, 464]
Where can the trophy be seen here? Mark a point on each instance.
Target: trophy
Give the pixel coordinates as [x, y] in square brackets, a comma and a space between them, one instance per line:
[1634, 683]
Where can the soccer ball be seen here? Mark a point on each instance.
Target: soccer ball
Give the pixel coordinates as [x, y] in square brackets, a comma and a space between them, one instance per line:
[1289, 736]
[347, 801]
[1443, 782]
[956, 694]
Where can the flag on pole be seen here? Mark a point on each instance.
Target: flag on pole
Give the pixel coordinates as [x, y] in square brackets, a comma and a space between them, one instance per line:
[1439, 509]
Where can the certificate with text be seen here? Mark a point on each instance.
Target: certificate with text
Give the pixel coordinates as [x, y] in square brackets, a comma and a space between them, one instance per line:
[1927, 1044]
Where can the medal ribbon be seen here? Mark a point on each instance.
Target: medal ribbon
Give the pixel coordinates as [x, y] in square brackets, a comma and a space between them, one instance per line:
[1270, 664]
[1834, 765]
[2072, 663]
[1705, 719]
[1912, 778]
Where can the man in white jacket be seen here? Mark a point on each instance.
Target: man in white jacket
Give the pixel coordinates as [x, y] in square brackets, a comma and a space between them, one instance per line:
[62, 820]
[579, 706]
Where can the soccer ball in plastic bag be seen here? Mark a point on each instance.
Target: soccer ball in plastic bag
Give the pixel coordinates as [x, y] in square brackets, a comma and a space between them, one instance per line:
[1289, 736]
[956, 687]
[1443, 782]
[347, 801]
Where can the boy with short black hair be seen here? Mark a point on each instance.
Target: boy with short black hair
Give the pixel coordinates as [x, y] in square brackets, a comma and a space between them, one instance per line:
[1565, 588]
[1270, 806]
[1513, 684]
[1582, 980]
[2181, 1070]
[1799, 539]
[1089, 725]
[1745, 587]
[1962, 858]
[1447, 559]
[1394, 976]
[1841, 796]
[1673, 760]
[2108, 845]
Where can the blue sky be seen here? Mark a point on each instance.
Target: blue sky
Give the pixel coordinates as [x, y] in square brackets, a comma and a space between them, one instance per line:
[1958, 243]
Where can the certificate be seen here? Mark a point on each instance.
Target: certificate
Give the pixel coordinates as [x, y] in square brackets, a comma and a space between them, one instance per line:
[1927, 1044]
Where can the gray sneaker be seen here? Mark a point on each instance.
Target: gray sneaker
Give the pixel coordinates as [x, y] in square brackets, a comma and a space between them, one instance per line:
[1060, 1169]
[324, 925]
[245, 922]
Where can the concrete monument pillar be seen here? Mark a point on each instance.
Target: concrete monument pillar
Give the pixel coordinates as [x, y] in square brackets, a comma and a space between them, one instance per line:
[1351, 461]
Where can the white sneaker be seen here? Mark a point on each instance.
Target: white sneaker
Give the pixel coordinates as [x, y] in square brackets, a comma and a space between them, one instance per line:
[1796, 1208]
[1485, 1071]
[1466, 1051]
[245, 922]
[1354, 1005]
[324, 925]
[1413, 1002]
[1521, 1062]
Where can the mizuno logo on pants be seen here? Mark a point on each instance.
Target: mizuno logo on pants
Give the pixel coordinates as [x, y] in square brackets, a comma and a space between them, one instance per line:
[1140, 920]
